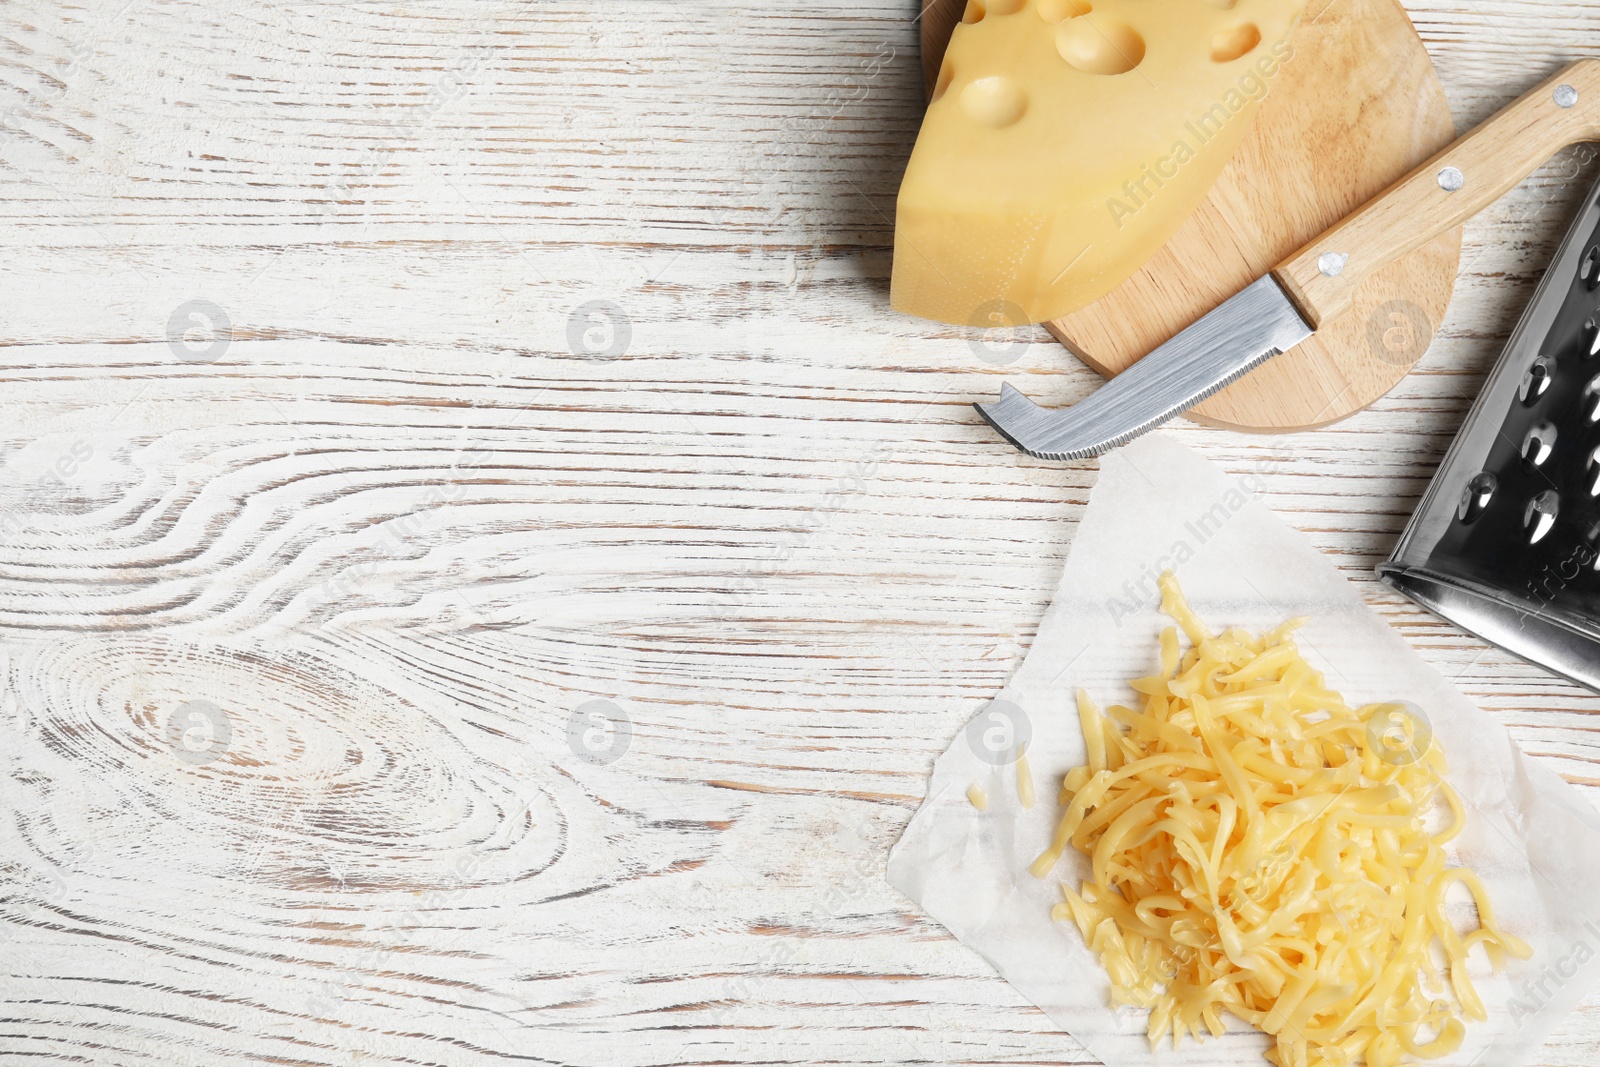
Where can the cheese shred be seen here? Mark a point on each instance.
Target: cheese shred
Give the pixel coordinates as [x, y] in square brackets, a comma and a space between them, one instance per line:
[1024, 778]
[1262, 849]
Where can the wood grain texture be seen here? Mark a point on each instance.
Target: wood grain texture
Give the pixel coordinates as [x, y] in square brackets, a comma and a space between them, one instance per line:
[1452, 186]
[1360, 109]
[301, 425]
[939, 20]
[1357, 107]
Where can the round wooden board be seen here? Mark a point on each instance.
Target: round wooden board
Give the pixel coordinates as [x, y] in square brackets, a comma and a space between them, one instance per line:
[1359, 108]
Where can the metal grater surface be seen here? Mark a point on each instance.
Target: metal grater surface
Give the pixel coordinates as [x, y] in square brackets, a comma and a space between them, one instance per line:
[1506, 542]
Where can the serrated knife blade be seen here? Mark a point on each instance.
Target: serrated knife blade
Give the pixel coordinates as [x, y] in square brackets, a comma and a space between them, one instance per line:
[1319, 282]
[1224, 346]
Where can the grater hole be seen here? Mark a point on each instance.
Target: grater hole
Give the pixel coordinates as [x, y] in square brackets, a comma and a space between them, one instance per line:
[1536, 380]
[1594, 476]
[1476, 495]
[1540, 515]
[1593, 329]
[1591, 399]
[1539, 443]
[1589, 274]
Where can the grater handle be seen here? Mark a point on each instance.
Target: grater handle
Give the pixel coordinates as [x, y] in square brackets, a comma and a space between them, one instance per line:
[1466, 177]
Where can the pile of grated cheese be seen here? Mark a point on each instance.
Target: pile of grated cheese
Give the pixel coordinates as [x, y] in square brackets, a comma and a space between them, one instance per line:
[1261, 848]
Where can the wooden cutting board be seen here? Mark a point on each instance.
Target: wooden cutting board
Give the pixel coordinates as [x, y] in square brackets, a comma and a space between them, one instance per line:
[1358, 107]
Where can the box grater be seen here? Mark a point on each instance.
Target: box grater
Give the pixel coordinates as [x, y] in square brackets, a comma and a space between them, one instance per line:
[1506, 543]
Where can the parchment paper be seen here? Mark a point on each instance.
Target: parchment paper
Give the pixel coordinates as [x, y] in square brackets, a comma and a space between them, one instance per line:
[1533, 839]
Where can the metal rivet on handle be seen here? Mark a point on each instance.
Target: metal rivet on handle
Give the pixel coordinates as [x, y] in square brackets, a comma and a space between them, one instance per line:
[1451, 180]
[1332, 263]
[1566, 96]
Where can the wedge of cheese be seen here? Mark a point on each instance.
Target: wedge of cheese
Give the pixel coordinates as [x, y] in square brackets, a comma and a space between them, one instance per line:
[1067, 140]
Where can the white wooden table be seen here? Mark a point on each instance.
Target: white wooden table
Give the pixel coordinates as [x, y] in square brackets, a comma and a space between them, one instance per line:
[310, 448]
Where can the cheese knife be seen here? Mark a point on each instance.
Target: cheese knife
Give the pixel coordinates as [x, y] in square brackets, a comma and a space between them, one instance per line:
[1318, 283]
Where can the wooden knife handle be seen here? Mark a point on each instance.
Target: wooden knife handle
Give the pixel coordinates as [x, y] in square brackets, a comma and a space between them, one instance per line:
[1468, 176]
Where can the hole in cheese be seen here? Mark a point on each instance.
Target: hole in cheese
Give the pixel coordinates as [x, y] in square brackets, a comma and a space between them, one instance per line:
[996, 102]
[1235, 42]
[1041, 213]
[976, 9]
[1104, 48]
[1061, 10]
[947, 74]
